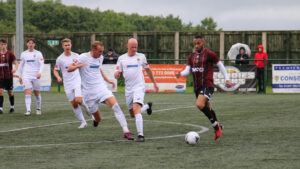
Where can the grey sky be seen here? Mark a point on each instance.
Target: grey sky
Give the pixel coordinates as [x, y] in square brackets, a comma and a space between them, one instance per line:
[229, 14]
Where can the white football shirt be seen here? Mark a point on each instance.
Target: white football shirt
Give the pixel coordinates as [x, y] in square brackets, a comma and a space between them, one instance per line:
[31, 63]
[91, 77]
[132, 69]
[70, 79]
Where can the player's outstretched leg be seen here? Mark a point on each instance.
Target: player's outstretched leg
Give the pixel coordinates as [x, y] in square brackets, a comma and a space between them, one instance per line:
[80, 117]
[147, 107]
[216, 125]
[38, 102]
[112, 102]
[203, 104]
[77, 110]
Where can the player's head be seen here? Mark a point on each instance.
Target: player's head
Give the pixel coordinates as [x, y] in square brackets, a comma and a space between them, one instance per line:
[66, 44]
[199, 42]
[3, 44]
[132, 46]
[30, 44]
[97, 49]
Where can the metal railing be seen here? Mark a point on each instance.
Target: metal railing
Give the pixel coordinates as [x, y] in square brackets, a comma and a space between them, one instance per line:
[226, 62]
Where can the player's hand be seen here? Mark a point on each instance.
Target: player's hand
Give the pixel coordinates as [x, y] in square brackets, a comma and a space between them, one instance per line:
[177, 74]
[59, 79]
[13, 71]
[113, 84]
[228, 83]
[156, 87]
[20, 80]
[117, 74]
[38, 75]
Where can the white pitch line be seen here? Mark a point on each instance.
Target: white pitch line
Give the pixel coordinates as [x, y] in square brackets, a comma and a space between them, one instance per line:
[47, 125]
[173, 108]
[58, 124]
[203, 129]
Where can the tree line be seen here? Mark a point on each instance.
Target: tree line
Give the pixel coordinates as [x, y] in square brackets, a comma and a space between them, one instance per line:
[51, 16]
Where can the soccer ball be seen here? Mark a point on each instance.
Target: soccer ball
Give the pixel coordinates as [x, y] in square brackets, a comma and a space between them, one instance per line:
[192, 138]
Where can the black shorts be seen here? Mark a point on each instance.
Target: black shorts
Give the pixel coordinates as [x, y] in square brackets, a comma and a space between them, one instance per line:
[6, 84]
[206, 91]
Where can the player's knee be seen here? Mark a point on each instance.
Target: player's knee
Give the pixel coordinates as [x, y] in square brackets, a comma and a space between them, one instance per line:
[36, 92]
[74, 104]
[10, 93]
[131, 113]
[200, 105]
[78, 100]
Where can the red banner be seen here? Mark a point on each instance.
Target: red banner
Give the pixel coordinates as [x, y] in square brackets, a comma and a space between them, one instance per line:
[164, 75]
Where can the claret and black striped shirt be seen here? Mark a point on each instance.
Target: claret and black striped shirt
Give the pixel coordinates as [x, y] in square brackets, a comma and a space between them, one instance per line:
[202, 67]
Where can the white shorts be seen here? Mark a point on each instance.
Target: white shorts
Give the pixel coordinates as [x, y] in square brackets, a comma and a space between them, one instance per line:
[93, 100]
[71, 94]
[135, 97]
[32, 84]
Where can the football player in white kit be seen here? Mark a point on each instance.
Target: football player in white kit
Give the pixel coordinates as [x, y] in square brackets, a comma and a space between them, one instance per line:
[30, 70]
[131, 64]
[94, 89]
[71, 80]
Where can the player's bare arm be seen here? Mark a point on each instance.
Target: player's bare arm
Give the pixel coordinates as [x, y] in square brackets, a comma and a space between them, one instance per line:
[150, 75]
[73, 67]
[16, 66]
[107, 80]
[56, 74]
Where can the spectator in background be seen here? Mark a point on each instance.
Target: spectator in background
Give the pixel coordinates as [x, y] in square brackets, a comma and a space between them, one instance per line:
[242, 57]
[111, 57]
[259, 62]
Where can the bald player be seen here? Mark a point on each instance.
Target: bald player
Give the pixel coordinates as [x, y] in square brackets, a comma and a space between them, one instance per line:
[94, 89]
[131, 64]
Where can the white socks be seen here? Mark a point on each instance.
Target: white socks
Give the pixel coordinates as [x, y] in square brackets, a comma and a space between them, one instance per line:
[79, 114]
[144, 108]
[120, 117]
[38, 102]
[139, 124]
[28, 102]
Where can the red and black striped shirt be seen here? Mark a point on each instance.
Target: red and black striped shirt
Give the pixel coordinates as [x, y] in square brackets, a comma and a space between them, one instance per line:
[202, 68]
[6, 61]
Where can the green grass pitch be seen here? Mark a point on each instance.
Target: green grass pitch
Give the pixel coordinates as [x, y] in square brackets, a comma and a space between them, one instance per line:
[261, 131]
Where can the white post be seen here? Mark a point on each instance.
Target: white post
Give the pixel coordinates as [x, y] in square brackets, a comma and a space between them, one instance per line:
[135, 35]
[264, 41]
[13, 44]
[222, 45]
[93, 38]
[176, 47]
[19, 28]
